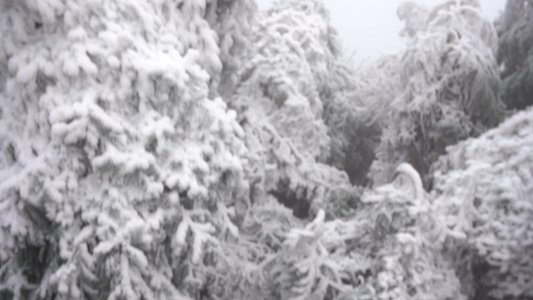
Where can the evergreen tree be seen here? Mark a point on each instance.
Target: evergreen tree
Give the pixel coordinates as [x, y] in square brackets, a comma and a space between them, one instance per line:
[119, 174]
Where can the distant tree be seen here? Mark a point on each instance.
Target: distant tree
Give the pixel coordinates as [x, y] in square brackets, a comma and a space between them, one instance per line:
[483, 192]
[451, 87]
[356, 115]
[515, 54]
[119, 175]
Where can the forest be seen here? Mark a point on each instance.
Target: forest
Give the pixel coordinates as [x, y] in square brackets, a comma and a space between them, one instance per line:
[206, 149]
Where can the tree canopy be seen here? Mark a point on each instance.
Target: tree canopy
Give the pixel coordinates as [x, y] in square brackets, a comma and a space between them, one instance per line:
[209, 150]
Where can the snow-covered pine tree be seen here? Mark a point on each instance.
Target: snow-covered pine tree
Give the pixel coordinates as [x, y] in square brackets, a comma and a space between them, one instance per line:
[515, 33]
[117, 171]
[484, 194]
[280, 104]
[451, 86]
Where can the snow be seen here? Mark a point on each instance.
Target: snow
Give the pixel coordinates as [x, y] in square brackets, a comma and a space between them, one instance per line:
[168, 150]
[27, 73]
[499, 180]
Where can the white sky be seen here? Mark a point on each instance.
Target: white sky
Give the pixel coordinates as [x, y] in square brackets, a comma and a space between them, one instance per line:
[370, 27]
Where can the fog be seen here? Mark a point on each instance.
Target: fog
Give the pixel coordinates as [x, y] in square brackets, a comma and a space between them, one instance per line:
[370, 28]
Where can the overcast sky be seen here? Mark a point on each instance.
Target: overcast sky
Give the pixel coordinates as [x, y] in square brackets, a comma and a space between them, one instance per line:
[371, 27]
